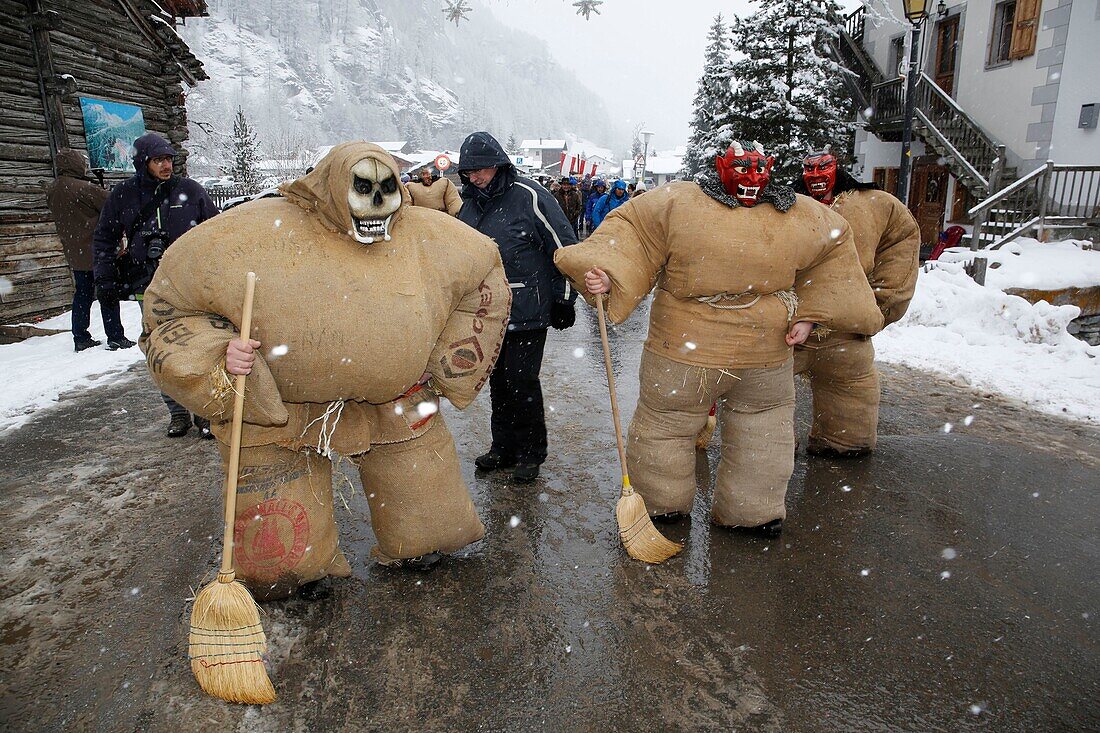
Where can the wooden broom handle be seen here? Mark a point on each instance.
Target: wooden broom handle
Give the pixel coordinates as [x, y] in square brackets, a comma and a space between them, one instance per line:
[611, 388]
[235, 438]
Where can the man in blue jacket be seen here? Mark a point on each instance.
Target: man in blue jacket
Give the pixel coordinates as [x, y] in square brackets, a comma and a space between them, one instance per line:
[599, 188]
[610, 201]
[151, 209]
[528, 226]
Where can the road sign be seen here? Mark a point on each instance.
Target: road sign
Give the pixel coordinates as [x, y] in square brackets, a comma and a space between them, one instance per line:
[442, 162]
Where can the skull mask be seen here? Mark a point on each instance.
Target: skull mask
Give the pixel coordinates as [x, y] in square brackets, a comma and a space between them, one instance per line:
[745, 173]
[373, 197]
[819, 175]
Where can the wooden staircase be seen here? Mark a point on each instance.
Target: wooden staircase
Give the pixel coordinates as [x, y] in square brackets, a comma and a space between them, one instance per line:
[971, 155]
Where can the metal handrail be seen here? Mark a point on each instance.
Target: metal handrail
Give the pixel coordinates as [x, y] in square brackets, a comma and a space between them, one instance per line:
[1005, 192]
[970, 169]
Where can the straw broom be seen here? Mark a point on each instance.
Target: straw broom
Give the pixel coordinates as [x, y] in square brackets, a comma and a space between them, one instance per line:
[226, 640]
[640, 538]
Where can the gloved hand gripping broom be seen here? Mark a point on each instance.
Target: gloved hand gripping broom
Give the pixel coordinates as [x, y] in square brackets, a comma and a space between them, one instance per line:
[226, 640]
[640, 538]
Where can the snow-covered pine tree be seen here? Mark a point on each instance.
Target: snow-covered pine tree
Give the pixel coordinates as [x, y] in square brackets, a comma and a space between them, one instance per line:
[711, 128]
[513, 146]
[788, 92]
[246, 152]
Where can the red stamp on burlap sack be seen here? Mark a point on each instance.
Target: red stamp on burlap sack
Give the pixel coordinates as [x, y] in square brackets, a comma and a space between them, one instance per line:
[271, 538]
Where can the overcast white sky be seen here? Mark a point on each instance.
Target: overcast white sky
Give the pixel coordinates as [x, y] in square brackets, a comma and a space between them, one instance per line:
[644, 57]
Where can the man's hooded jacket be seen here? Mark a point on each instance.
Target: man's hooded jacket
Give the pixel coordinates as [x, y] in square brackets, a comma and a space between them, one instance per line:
[75, 203]
[187, 205]
[527, 225]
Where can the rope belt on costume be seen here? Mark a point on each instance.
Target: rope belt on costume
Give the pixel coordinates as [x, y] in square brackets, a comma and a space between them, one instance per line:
[787, 297]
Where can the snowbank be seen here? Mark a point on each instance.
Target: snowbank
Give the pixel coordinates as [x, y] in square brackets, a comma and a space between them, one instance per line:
[998, 342]
[37, 371]
[1030, 264]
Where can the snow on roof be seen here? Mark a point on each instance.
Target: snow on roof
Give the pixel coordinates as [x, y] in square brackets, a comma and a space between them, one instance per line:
[393, 146]
[542, 144]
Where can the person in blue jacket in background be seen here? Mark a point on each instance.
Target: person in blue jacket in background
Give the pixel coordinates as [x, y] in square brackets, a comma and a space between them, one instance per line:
[610, 201]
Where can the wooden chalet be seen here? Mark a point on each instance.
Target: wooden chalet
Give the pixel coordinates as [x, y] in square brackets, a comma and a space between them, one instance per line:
[52, 52]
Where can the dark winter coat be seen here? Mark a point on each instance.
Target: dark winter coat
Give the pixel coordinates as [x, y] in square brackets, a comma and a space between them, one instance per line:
[590, 203]
[75, 203]
[608, 203]
[527, 225]
[570, 202]
[187, 206]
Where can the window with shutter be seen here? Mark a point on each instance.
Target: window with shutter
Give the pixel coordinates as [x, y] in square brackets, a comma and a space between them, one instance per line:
[1025, 27]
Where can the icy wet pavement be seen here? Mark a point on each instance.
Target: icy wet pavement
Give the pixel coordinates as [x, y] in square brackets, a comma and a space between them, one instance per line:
[945, 584]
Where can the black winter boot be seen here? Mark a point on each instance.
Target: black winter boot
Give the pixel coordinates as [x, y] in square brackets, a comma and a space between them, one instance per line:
[204, 428]
[525, 473]
[179, 426]
[492, 460]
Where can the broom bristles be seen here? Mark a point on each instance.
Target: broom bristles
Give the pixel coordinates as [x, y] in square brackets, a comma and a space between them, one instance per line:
[640, 537]
[703, 439]
[226, 645]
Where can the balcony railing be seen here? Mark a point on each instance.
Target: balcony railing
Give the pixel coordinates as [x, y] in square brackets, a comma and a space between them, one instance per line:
[1050, 197]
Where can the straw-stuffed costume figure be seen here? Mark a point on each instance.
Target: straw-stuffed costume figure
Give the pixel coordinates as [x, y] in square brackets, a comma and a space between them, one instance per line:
[841, 365]
[367, 309]
[743, 269]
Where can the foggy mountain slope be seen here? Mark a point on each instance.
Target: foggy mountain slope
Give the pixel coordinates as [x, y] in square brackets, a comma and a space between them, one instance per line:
[323, 71]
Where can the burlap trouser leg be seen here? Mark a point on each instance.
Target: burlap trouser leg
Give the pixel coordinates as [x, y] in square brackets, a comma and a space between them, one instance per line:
[757, 438]
[285, 535]
[757, 419]
[418, 500]
[673, 402]
[846, 394]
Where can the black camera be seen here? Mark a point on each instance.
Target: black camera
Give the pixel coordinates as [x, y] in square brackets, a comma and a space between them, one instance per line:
[155, 244]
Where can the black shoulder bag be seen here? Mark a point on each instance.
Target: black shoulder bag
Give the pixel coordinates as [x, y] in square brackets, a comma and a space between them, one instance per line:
[133, 275]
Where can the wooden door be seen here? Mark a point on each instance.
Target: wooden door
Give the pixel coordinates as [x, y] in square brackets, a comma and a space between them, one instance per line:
[947, 51]
[928, 198]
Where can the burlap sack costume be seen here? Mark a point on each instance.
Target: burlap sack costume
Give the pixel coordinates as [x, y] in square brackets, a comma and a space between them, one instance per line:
[729, 281]
[347, 331]
[839, 365]
[442, 195]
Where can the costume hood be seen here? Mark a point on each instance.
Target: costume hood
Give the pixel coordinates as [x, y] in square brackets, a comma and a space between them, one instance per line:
[71, 163]
[324, 190]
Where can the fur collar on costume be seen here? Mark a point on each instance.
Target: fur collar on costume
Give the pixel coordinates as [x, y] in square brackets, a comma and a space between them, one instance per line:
[779, 196]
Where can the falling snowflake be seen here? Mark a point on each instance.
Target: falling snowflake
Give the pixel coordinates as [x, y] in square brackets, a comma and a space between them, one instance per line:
[587, 7]
[456, 11]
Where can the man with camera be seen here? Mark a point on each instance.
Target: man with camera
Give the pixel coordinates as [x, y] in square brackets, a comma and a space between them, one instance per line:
[142, 217]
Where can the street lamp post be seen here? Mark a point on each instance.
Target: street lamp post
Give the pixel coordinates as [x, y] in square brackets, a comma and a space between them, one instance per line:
[916, 11]
[646, 136]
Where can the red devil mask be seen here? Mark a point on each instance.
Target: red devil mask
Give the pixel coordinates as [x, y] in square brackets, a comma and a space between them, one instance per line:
[819, 175]
[745, 172]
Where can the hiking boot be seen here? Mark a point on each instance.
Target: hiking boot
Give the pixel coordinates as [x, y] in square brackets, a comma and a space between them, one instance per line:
[824, 450]
[122, 343]
[769, 530]
[87, 343]
[525, 473]
[669, 518]
[179, 426]
[492, 460]
[204, 428]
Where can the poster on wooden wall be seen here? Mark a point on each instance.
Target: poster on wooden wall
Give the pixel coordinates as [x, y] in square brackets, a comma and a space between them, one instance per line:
[110, 129]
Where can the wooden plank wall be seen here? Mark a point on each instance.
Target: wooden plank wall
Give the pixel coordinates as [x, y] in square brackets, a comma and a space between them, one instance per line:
[110, 58]
[30, 253]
